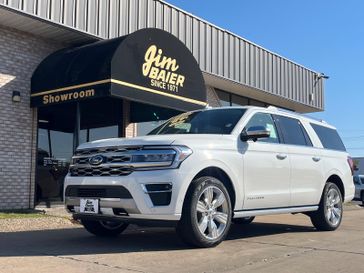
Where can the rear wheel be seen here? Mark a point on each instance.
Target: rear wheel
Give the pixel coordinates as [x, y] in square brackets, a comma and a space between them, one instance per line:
[206, 215]
[329, 215]
[243, 221]
[104, 228]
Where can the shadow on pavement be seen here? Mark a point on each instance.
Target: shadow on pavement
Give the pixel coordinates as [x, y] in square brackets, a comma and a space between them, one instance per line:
[257, 229]
[76, 241]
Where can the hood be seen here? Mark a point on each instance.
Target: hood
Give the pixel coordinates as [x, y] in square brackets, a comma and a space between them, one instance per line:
[135, 141]
[159, 140]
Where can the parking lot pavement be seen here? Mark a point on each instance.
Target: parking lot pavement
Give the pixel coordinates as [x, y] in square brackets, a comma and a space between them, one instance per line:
[282, 243]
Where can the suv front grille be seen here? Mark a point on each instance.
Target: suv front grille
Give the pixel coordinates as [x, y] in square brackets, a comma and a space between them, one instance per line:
[108, 159]
[115, 161]
[119, 161]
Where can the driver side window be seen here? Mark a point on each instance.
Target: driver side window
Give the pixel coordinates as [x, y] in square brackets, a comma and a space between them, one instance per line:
[265, 120]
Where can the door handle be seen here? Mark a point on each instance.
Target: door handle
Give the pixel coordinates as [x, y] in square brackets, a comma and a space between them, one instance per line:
[281, 156]
[316, 158]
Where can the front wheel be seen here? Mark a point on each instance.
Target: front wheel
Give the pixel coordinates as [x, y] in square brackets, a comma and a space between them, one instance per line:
[329, 215]
[104, 228]
[206, 214]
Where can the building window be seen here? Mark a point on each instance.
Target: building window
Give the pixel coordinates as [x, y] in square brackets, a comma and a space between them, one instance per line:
[228, 99]
[224, 98]
[239, 100]
[257, 103]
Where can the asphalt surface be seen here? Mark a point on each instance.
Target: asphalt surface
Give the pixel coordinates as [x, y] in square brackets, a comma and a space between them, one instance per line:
[281, 243]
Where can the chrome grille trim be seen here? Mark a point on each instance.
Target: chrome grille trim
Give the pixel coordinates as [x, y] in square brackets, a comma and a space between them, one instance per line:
[100, 150]
[100, 170]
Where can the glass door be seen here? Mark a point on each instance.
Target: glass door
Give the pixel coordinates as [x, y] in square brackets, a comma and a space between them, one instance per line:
[63, 127]
[56, 126]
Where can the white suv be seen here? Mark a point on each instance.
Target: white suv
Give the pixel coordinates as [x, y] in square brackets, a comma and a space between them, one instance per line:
[203, 170]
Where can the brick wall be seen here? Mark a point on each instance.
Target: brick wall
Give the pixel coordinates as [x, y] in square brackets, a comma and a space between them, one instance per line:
[212, 98]
[20, 54]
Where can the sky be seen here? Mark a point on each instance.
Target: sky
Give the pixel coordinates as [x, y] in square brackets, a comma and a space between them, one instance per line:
[326, 36]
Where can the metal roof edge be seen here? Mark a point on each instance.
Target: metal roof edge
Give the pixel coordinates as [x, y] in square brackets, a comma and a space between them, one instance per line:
[264, 91]
[45, 20]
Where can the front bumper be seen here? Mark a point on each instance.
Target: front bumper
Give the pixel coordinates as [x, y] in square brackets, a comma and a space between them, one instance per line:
[140, 204]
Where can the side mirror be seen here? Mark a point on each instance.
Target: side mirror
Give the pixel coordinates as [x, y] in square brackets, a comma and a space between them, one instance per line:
[254, 133]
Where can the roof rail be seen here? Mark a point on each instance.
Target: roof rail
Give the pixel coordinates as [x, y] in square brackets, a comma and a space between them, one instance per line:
[271, 107]
[275, 108]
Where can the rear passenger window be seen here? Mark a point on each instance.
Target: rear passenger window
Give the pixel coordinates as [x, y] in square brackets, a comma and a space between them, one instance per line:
[293, 131]
[329, 138]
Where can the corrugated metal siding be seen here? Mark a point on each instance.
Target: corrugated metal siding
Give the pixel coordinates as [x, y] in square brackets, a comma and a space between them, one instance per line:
[218, 51]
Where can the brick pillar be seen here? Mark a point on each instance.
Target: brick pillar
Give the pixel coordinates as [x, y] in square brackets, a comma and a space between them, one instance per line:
[129, 128]
[212, 98]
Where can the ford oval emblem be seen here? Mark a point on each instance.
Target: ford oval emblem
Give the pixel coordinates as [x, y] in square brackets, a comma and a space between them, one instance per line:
[96, 160]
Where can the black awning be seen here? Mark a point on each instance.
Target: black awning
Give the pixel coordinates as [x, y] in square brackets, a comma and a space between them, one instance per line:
[149, 66]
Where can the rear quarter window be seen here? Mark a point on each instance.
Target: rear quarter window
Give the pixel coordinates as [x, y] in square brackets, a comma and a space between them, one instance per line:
[329, 137]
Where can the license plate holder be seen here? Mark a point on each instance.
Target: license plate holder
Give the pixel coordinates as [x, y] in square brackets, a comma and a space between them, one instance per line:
[89, 206]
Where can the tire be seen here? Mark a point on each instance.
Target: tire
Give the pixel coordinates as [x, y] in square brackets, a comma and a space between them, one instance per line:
[362, 198]
[243, 221]
[104, 228]
[206, 213]
[329, 215]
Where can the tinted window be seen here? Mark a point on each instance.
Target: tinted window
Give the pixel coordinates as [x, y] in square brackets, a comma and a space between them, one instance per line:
[265, 120]
[293, 131]
[219, 121]
[329, 138]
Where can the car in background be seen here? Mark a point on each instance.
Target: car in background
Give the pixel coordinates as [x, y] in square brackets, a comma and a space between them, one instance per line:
[359, 187]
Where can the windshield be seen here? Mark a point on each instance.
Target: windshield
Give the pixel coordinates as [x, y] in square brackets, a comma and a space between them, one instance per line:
[219, 121]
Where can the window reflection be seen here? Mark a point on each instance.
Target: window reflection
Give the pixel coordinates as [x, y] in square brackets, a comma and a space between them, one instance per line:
[92, 134]
[143, 128]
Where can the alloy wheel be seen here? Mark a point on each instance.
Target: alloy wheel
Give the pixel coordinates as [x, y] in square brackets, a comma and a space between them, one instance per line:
[212, 212]
[333, 207]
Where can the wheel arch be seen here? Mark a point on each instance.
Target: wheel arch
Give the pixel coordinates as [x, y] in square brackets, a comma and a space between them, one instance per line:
[220, 174]
[338, 182]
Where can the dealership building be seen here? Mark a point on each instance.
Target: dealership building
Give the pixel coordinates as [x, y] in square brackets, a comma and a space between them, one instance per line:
[76, 71]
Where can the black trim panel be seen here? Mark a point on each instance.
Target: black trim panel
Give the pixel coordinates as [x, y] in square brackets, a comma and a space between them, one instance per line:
[98, 192]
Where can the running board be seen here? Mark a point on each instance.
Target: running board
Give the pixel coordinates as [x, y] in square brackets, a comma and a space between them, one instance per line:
[257, 212]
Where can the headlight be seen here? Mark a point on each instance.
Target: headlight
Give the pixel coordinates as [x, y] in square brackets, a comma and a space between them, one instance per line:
[153, 157]
[182, 153]
[160, 157]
